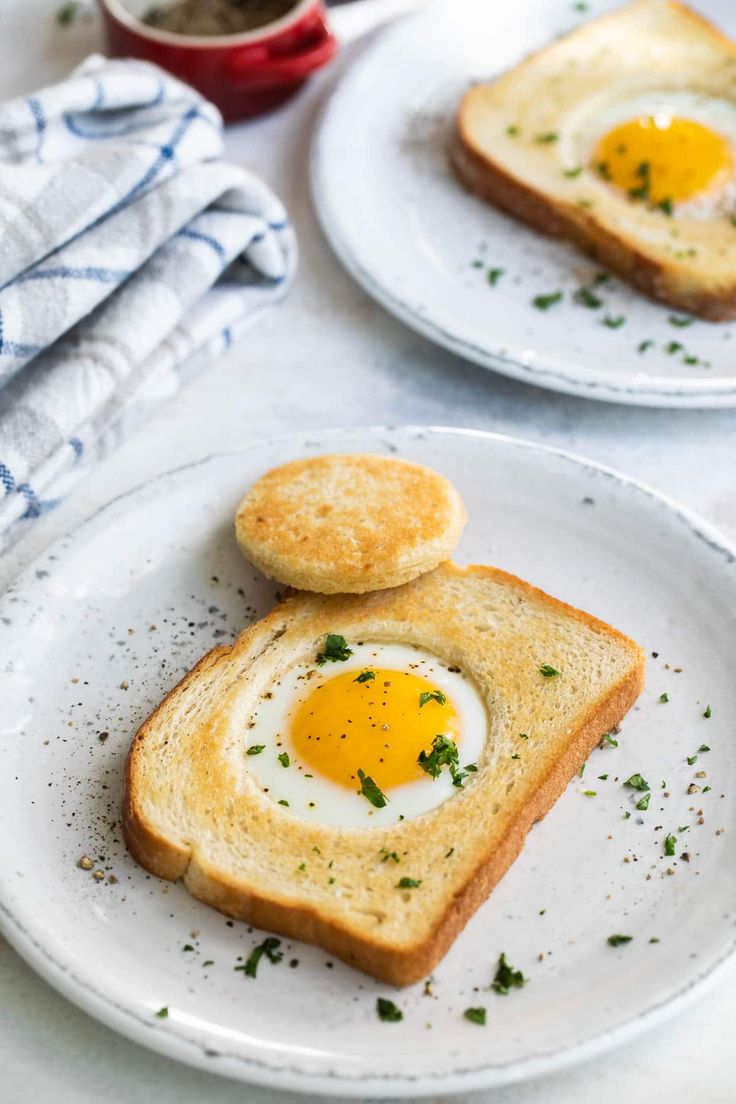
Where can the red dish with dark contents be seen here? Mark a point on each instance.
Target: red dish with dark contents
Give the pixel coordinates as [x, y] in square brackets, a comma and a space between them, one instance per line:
[243, 74]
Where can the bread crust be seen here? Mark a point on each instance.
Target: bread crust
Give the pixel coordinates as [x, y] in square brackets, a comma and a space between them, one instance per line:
[673, 283]
[397, 963]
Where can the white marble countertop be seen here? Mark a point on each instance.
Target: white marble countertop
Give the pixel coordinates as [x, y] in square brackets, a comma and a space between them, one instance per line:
[329, 356]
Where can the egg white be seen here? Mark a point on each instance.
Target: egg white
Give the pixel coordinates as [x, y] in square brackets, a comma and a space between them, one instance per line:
[595, 118]
[333, 804]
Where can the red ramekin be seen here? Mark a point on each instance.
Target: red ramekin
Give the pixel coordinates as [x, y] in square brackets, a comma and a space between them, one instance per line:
[243, 74]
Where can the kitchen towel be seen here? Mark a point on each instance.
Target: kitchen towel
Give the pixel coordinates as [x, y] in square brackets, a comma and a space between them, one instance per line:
[131, 254]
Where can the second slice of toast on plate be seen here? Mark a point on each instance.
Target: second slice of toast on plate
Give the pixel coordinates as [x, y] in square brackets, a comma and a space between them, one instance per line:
[620, 137]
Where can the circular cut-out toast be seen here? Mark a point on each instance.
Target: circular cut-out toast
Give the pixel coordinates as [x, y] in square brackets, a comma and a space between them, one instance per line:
[349, 523]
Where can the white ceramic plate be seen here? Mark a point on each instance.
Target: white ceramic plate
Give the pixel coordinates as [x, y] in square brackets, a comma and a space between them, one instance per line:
[100, 627]
[409, 233]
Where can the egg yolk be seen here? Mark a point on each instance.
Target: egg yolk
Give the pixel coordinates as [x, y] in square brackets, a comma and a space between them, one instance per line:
[376, 725]
[661, 158]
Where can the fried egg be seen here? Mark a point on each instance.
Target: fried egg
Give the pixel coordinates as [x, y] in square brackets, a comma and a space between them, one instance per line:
[675, 151]
[384, 735]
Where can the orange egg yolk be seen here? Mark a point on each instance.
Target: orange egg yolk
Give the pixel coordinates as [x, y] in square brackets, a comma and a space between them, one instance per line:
[376, 725]
[663, 159]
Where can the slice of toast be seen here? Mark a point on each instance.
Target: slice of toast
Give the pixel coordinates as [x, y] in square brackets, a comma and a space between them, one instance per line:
[192, 809]
[523, 143]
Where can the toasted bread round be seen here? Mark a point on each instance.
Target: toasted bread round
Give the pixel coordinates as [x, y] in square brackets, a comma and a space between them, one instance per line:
[347, 524]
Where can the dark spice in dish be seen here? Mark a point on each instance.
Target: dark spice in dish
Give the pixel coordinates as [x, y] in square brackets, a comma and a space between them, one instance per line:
[215, 17]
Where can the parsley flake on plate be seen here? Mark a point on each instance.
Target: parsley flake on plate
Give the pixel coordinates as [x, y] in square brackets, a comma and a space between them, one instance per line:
[643, 802]
[270, 948]
[507, 978]
[283, 759]
[494, 275]
[162, 1013]
[476, 1015]
[619, 940]
[544, 302]
[255, 749]
[670, 844]
[636, 782]
[387, 1011]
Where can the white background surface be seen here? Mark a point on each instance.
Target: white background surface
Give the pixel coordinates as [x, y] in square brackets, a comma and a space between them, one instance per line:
[328, 356]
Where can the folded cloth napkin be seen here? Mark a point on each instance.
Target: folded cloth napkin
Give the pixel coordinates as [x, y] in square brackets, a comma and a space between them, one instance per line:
[130, 255]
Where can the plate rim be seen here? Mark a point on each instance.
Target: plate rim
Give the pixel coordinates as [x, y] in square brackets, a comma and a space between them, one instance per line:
[182, 1046]
[639, 390]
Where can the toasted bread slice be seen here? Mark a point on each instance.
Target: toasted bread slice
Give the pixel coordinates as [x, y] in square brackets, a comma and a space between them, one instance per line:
[524, 143]
[192, 809]
[349, 523]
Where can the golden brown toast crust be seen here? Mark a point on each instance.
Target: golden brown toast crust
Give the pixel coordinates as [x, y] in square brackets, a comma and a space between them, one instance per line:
[399, 965]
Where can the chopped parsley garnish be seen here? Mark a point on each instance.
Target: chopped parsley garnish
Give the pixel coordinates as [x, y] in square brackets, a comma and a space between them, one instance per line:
[516, 755]
[680, 321]
[703, 748]
[636, 782]
[548, 671]
[283, 801]
[572, 173]
[603, 169]
[162, 1013]
[507, 978]
[708, 712]
[590, 793]
[386, 855]
[664, 697]
[547, 138]
[476, 1015]
[673, 347]
[513, 131]
[666, 206]
[255, 749]
[67, 13]
[444, 753]
[431, 695]
[270, 948]
[365, 676]
[609, 739]
[643, 802]
[670, 844]
[370, 790]
[283, 758]
[614, 323]
[691, 759]
[494, 275]
[706, 789]
[544, 302]
[603, 777]
[387, 1011]
[585, 298]
[523, 735]
[408, 883]
[187, 947]
[336, 650]
[619, 940]
[644, 345]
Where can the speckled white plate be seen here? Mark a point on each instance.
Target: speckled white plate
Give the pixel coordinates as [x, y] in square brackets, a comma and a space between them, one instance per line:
[108, 620]
[410, 234]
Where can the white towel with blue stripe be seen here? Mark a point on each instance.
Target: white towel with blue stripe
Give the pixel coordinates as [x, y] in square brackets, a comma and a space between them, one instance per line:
[130, 255]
